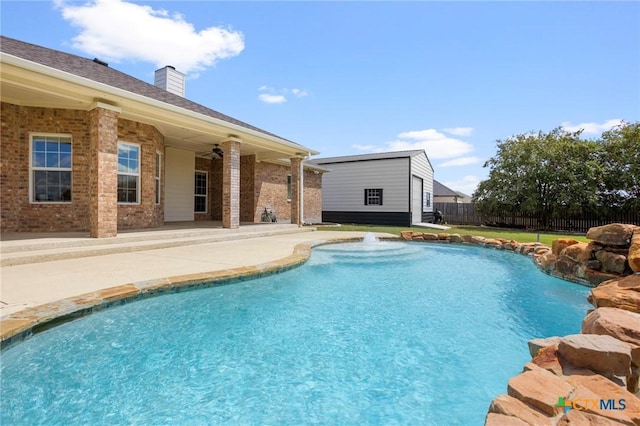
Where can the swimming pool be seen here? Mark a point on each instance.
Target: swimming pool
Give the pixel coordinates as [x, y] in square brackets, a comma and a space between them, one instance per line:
[389, 333]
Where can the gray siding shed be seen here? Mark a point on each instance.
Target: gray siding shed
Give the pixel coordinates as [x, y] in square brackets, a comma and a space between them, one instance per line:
[397, 174]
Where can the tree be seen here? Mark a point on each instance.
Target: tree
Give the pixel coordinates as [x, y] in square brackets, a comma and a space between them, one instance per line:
[620, 159]
[541, 174]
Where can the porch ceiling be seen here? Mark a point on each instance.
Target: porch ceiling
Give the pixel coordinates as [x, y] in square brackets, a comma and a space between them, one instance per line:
[182, 128]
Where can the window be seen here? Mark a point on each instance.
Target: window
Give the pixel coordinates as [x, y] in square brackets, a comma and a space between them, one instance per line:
[158, 169]
[50, 169]
[128, 173]
[426, 199]
[200, 192]
[373, 197]
[288, 187]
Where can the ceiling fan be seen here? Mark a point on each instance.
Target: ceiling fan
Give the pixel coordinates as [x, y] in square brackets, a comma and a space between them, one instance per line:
[215, 151]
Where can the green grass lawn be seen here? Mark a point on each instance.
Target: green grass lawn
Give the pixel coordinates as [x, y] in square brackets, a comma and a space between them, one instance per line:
[509, 234]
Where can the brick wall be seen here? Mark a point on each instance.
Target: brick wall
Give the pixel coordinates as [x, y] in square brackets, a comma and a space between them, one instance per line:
[215, 199]
[271, 191]
[312, 197]
[103, 182]
[146, 214]
[19, 215]
[247, 188]
[231, 184]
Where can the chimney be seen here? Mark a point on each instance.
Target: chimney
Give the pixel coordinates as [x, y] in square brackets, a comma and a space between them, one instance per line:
[169, 79]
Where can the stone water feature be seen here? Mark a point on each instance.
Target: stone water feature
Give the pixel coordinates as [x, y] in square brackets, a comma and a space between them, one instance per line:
[591, 378]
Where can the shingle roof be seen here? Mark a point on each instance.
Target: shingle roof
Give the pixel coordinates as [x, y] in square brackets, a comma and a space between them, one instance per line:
[91, 70]
[367, 157]
[442, 191]
[439, 190]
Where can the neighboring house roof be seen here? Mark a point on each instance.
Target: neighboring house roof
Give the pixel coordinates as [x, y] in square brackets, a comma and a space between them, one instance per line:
[369, 157]
[92, 70]
[440, 190]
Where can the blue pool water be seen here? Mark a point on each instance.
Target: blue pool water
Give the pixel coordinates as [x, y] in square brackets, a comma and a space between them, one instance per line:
[362, 334]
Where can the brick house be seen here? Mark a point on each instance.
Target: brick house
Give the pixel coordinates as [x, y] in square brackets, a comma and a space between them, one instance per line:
[85, 147]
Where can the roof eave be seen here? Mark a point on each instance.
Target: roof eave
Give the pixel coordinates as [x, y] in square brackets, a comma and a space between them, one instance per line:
[141, 103]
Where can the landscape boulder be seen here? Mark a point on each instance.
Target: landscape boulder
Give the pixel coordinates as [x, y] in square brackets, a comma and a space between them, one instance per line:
[581, 418]
[536, 344]
[560, 244]
[603, 354]
[547, 358]
[614, 234]
[495, 419]
[618, 323]
[580, 252]
[511, 407]
[611, 262]
[547, 262]
[455, 238]
[622, 293]
[539, 389]
[634, 252]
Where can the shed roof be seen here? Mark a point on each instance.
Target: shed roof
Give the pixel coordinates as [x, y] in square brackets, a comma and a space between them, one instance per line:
[369, 157]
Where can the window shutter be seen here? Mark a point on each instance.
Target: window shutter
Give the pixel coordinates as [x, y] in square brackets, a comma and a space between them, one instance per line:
[380, 196]
[365, 197]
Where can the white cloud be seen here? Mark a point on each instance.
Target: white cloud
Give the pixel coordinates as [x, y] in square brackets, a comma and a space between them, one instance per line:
[117, 30]
[466, 185]
[278, 96]
[592, 128]
[459, 131]
[436, 144]
[299, 93]
[462, 161]
[272, 99]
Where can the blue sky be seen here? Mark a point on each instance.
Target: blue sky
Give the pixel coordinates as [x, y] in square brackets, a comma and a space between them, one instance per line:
[357, 77]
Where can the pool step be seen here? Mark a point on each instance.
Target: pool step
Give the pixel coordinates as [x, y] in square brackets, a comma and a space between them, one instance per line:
[26, 252]
[363, 254]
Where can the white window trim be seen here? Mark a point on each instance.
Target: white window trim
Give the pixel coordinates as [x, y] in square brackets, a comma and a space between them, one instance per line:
[206, 195]
[52, 169]
[138, 186]
[158, 179]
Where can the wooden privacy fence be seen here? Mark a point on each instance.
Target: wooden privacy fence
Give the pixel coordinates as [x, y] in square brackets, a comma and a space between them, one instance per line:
[466, 214]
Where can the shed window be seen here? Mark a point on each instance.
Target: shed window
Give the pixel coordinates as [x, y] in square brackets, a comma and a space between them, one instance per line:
[373, 197]
[426, 199]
